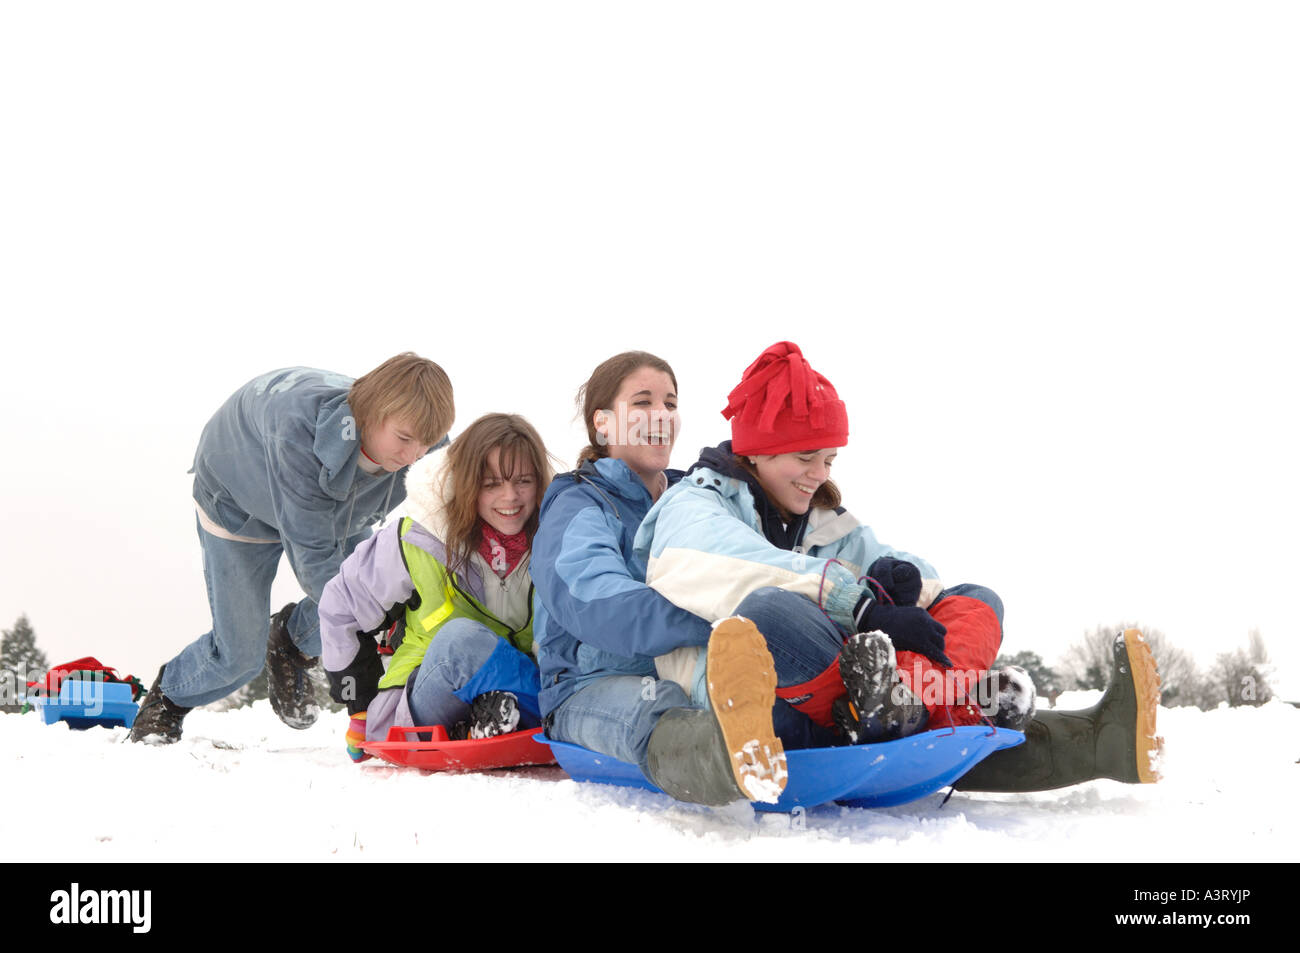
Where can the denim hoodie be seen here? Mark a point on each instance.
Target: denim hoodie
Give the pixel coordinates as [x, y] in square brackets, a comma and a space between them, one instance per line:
[594, 616]
[278, 462]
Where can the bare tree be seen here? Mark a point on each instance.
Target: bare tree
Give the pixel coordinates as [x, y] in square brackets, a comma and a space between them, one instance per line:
[1243, 676]
[1087, 664]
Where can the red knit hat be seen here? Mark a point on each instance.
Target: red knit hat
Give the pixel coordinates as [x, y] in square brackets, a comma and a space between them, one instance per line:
[782, 405]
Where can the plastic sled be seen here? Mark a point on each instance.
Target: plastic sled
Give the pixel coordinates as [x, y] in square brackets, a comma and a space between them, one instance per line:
[85, 703]
[879, 775]
[440, 753]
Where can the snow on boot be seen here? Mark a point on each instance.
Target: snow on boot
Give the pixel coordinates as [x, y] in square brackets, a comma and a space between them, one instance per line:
[731, 752]
[493, 713]
[1007, 697]
[288, 675]
[1116, 738]
[158, 722]
[877, 706]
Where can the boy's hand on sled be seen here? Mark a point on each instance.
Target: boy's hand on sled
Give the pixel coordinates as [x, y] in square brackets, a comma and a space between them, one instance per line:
[910, 628]
[356, 737]
[899, 578]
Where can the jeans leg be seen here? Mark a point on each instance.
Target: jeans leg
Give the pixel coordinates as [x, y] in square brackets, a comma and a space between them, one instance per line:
[452, 674]
[982, 593]
[304, 627]
[804, 643]
[802, 640]
[616, 715]
[239, 577]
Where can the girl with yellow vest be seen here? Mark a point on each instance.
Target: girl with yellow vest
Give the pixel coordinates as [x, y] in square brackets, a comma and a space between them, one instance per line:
[453, 576]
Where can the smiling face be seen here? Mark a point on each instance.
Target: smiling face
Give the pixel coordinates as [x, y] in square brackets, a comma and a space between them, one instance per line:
[641, 426]
[393, 444]
[507, 504]
[791, 479]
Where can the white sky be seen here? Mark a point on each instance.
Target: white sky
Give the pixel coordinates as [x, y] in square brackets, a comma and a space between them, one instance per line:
[1046, 252]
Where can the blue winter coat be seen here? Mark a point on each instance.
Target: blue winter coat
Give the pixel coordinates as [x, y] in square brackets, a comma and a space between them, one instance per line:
[278, 462]
[593, 614]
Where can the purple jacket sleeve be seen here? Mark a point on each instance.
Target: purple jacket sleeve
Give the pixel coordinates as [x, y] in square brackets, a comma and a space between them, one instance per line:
[370, 582]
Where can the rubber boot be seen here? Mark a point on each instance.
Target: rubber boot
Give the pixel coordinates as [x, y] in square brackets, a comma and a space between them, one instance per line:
[1116, 738]
[729, 753]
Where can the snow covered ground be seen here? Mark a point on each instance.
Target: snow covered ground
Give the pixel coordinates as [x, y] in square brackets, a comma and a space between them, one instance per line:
[243, 787]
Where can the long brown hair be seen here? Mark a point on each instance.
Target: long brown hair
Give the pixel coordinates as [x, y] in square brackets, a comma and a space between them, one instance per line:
[467, 465]
[827, 495]
[603, 386]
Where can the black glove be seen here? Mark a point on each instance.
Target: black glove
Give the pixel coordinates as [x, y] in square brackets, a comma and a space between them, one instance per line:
[356, 685]
[910, 628]
[899, 578]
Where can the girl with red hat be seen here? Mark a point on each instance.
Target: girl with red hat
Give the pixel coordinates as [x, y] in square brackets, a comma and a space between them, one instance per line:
[756, 527]
[868, 644]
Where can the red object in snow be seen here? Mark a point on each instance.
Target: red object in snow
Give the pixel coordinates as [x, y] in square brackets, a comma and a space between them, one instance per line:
[442, 754]
[49, 685]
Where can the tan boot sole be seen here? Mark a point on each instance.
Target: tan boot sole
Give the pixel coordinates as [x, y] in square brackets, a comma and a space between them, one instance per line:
[1146, 686]
[742, 690]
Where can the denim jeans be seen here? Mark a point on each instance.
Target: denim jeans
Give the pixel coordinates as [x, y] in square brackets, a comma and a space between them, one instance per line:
[239, 577]
[464, 660]
[615, 715]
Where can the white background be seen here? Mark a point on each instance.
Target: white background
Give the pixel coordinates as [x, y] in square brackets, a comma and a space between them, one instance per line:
[1046, 252]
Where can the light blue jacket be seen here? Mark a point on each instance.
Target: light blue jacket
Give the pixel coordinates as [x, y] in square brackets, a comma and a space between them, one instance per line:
[278, 462]
[704, 550]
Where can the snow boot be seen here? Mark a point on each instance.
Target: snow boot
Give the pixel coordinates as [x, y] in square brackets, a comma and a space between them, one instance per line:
[730, 752]
[1116, 738]
[1007, 697]
[491, 714]
[288, 675]
[877, 706]
[158, 722]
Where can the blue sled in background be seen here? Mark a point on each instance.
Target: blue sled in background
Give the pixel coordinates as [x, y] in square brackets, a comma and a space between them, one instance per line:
[89, 703]
[878, 775]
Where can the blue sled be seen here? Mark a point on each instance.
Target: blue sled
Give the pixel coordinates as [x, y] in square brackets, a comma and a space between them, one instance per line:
[879, 775]
[89, 702]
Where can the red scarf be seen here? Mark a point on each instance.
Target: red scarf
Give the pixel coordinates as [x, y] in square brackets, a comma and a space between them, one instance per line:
[500, 551]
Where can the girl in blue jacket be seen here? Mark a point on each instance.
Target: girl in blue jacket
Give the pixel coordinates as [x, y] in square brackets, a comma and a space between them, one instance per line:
[599, 628]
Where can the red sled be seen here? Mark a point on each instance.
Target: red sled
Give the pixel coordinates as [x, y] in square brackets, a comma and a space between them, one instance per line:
[440, 753]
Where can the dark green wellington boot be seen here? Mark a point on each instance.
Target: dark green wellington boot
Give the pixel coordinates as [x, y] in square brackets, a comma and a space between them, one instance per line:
[1116, 738]
[730, 753]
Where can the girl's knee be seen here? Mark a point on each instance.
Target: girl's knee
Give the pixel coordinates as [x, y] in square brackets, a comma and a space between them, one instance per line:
[980, 593]
[461, 637]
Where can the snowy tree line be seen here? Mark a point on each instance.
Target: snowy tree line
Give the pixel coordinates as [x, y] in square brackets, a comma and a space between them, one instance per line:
[1241, 676]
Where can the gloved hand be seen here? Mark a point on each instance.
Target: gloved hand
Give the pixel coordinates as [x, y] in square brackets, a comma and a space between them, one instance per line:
[899, 578]
[356, 736]
[910, 628]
